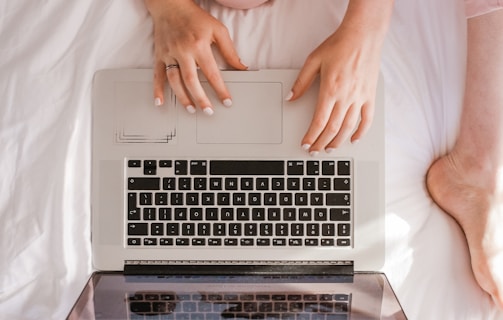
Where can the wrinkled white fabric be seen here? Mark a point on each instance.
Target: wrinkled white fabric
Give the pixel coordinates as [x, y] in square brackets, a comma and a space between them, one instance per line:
[49, 53]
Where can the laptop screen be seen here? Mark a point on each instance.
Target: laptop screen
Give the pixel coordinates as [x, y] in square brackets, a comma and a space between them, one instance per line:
[118, 296]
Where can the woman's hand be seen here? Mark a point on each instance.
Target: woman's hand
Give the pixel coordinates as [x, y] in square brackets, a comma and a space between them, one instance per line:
[348, 64]
[183, 36]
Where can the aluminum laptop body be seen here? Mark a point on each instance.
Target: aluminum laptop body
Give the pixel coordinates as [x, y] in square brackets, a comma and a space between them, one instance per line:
[226, 217]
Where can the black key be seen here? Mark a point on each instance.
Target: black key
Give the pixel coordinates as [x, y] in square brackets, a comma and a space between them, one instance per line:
[262, 184]
[133, 241]
[169, 183]
[266, 229]
[134, 163]
[196, 214]
[316, 199]
[140, 307]
[149, 214]
[301, 199]
[278, 184]
[340, 214]
[328, 168]
[165, 163]
[208, 199]
[328, 230]
[172, 229]
[279, 242]
[308, 184]
[338, 199]
[181, 167]
[198, 167]
[313, 168]
[149, 242]
[243, 214]
[258, 214]
[204, 229]
[238, 167]
[254, 199]
[144, 183]
[166, 242]
[157, 229]
[227, 214]
[235, 229]
[343, 242]
[285, 199]
[149, 167]
[295, 168]
[223, 199]
[200, 183]
[270, 199]
[192, 198]
[324, 184]
[216, 184]
[184, 184]
[164, 213]
[133, 210]
[180, 213]
[250, 229]
[313, 229]
[145, 199]
[293, 184]
[188, 229]
[137, 229]
[343, 168]
[231, 183]
[343, 229]
[231, 242]
[238, 199]
[320, 214]
[342, 184]
[305, 214]
[289, 214]
[161, 199]
[246, 184]
[297, 229]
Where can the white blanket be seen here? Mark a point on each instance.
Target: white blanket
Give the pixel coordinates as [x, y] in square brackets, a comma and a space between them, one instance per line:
[49, 51]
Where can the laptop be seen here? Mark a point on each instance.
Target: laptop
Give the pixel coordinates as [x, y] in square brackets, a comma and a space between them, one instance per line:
[225, 216]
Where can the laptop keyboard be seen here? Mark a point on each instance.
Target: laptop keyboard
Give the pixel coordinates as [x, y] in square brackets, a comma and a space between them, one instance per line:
[270, 203]
[238, 305]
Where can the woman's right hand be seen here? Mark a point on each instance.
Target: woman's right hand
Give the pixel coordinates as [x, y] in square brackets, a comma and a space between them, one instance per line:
[183, 36]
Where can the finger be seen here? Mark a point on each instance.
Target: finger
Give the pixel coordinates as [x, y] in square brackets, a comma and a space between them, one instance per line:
[175, 82]
[323, 112]
[367, 116]
[224, 43]
[159, 81]
[304, 79]
[210, 69]
[188, 69]
[346, 128]
[331, 128]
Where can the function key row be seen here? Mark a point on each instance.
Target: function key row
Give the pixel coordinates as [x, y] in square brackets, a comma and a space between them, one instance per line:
[245, 167]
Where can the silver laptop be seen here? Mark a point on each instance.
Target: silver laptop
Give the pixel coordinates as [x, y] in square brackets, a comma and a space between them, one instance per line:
[188, 205]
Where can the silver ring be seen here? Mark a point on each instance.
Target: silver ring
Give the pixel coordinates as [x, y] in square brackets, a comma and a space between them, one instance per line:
[171, 66]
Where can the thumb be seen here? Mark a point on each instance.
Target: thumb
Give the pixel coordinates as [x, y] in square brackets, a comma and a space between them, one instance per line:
[304, 80]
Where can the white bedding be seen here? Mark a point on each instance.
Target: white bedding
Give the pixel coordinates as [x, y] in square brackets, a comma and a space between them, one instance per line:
[49, 51]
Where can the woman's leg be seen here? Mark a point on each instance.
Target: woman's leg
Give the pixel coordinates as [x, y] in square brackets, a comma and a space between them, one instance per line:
[467, 182]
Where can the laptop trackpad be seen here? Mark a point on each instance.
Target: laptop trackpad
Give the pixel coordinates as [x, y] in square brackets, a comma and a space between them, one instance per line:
[255, 115]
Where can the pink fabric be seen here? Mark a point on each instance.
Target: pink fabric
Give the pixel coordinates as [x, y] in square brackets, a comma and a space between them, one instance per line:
[241, 4]
[479, 7]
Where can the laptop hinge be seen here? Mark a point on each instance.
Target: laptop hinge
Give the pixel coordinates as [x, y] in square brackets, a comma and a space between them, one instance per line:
[235, 268]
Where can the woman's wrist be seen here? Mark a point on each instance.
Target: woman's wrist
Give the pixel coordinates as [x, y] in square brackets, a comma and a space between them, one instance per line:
[368, 18]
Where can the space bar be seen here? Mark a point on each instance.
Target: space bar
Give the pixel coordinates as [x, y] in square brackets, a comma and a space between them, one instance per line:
[247, 167]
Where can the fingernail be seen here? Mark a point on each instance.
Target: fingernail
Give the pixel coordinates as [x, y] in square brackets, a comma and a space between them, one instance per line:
[330, 150]
[190, 108]
[227, 102]
[355, 141]
[208, 111]
[313, 153]
[289, 96]
[306, 146]
[157, 102]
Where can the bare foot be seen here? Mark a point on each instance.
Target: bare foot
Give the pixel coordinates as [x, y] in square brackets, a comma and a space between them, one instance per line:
[471, 198]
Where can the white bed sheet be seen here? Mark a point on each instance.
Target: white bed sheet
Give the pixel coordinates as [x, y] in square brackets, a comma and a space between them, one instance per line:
[49, 51]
